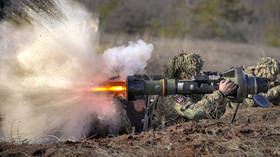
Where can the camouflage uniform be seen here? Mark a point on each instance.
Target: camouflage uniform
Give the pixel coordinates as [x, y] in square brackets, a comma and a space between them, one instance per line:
[125, 123]
[174, 109]
[267, 67]
[126, 126]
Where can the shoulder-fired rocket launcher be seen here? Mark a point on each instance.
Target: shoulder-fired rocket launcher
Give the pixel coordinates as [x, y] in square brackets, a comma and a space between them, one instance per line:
[201, 84]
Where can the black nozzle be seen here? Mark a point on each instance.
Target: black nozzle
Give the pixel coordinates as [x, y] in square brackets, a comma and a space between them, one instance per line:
[257, 85]
[263, 84]
[135, 85]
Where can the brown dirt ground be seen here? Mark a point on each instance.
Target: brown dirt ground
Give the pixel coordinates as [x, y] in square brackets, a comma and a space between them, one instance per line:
[256, 132]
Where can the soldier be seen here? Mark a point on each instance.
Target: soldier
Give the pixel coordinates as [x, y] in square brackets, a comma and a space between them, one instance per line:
[132, 115]
[267, 67]
[170, 110]
[130, 120]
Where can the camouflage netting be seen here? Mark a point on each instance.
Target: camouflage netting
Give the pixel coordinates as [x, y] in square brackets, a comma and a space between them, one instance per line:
[267, 67]
[183, 66]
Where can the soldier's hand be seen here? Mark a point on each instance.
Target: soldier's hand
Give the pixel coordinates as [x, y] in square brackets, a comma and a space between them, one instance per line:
[226, 87]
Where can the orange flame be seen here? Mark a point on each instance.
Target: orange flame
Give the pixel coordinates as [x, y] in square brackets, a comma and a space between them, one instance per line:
[109, 89]
[108, 86]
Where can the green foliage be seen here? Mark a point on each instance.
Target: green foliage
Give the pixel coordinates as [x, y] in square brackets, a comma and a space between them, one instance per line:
[202, 19]
[173, 23]
[234, 20]
[215, 18]
[107, 9]
[109, 6]
[271, 23]
[207, 16]
[173, 28]
[272, 35]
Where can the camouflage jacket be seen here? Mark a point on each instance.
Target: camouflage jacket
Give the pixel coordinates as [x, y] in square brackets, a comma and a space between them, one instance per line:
[125, 126]
[273, 95]
[174, 109]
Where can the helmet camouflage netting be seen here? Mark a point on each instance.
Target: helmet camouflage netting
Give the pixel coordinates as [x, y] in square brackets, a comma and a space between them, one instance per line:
[267, 67]
[187, 64]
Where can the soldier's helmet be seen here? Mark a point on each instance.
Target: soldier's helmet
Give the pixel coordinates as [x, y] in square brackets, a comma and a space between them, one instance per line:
[183, 65]
[267, 67]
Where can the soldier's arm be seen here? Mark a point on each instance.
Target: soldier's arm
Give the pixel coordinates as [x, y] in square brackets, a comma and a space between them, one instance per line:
[273, 95]
[210, 106]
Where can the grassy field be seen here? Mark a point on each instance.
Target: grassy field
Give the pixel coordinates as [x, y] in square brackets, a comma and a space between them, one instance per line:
[218, 55]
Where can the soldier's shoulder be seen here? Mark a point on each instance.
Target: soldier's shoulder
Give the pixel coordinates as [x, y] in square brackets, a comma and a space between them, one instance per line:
[275, 88]
[249, 70]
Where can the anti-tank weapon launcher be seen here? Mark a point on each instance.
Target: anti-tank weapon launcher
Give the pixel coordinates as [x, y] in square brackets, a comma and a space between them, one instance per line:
[201, 84]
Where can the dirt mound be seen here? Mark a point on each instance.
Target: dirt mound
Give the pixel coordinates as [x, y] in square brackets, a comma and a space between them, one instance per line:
[256, 132]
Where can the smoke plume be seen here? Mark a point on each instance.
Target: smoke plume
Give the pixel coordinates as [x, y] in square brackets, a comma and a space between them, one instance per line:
[128, 60]
[47, 53]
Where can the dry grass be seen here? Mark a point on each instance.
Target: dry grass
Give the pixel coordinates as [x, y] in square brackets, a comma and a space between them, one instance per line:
[218, 55]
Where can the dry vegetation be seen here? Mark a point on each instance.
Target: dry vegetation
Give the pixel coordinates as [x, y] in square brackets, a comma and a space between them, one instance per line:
[254, 133]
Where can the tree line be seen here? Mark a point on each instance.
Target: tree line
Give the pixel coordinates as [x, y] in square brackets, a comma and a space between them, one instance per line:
[251, 21]
[233, 20]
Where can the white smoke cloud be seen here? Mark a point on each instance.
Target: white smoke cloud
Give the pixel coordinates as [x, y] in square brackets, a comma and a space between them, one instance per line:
[128, 59]
[41, 66]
